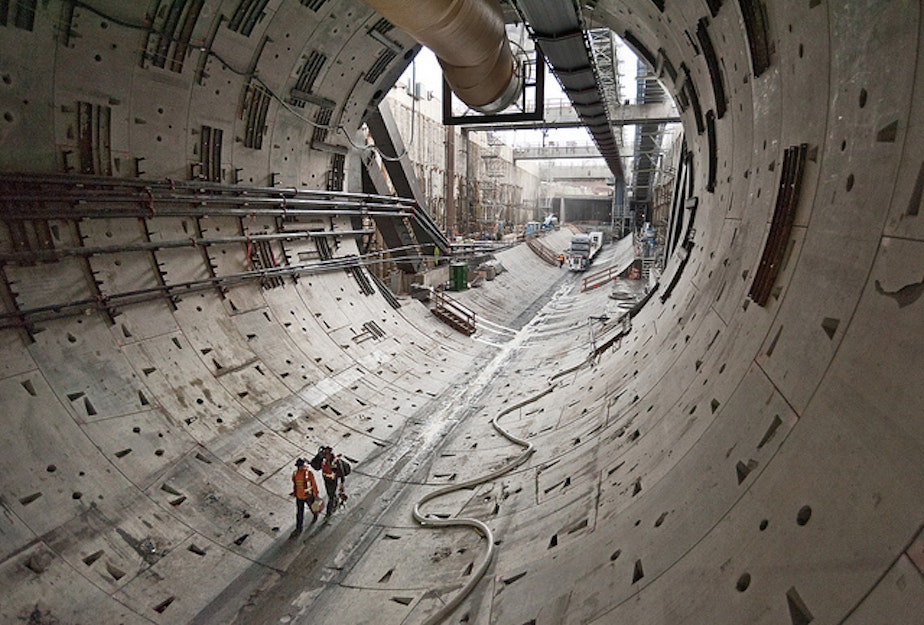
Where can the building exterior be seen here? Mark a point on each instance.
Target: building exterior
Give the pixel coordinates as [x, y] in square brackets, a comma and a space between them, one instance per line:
[487, 187]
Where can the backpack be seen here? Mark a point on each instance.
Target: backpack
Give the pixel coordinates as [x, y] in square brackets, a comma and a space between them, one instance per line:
[318, 458]
[344, 467]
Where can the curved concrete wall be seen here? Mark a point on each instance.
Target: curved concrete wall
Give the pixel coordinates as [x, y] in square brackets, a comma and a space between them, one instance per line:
[724, 462]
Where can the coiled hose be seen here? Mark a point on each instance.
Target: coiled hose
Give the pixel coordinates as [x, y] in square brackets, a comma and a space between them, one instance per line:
[480, 526]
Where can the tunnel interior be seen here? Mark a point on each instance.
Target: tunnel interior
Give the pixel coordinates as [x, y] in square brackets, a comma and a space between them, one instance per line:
[745, 447]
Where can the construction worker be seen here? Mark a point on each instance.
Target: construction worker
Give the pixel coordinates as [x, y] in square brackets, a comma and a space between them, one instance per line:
[305, 490]
[333, 472]
[561, 260]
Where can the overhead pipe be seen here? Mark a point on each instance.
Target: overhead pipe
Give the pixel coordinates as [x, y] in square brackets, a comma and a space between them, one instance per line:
[60, 253]
[469, 40]
[105, 186]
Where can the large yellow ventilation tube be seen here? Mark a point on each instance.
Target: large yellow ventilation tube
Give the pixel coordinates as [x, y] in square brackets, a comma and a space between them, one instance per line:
[469, 39]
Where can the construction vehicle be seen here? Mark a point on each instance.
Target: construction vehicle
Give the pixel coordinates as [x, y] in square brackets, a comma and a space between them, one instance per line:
[584, 248]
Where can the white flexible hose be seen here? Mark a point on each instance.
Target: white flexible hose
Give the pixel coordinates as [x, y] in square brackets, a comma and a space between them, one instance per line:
[480, 526]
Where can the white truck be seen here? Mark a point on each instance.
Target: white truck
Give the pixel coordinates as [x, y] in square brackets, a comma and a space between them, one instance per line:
[584, 247]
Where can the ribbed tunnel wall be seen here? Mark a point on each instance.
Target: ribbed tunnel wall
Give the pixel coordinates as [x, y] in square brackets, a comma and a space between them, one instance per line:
[724, 462]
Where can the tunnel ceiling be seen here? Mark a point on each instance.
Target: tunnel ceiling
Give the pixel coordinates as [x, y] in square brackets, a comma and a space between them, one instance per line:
[746, 448]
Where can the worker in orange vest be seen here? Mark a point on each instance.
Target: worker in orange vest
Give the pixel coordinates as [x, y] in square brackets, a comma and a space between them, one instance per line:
[305, 490]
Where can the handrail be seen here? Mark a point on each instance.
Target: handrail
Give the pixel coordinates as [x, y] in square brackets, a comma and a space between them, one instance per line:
[601, 277]
[542, 251]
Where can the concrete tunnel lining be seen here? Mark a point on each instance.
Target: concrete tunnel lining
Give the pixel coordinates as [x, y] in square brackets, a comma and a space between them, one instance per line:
[723, 462]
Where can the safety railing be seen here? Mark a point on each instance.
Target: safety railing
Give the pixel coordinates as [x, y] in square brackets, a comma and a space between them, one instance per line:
[453, 313]
[600, 278]
[542, 251]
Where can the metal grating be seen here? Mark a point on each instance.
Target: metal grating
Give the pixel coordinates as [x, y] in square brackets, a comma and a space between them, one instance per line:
[307, 77]
[246, 16]
[18, 13]
[693, 98]
[322, 119]
[256, 105]
[210, 140]
[386, 56]
[168, 40]
[784, 214]
[713, 151]
[314, 5]
[712, 62]
[365, 287]
[755, 25]
[383, 26]
[93, 139]
[336, 174]
[324, 251]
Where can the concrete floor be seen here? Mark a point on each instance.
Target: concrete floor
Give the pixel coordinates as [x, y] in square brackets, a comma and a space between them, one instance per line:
[725, 462]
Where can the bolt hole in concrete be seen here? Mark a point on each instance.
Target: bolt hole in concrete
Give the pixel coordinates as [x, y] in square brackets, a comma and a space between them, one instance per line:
[160, 607]
[29, 498]
[638, 572]
[805, 513]
[743, 582]
[764, 524]
[115, 571]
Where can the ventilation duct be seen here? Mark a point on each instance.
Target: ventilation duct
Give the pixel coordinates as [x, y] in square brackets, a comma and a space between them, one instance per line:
[469, 39]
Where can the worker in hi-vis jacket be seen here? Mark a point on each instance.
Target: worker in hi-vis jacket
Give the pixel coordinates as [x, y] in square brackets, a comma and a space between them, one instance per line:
[305, 490]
